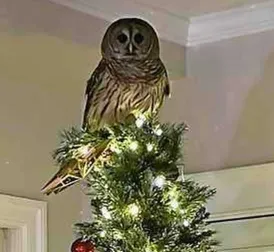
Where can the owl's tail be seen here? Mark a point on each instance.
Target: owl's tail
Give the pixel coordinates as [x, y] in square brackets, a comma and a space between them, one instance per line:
[75, 170]
[65, 177]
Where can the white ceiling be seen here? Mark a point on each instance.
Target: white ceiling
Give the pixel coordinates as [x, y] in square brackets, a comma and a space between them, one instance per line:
[187, 22]
[188, 8]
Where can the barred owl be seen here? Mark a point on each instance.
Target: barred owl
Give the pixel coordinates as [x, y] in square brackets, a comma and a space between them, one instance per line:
[130, 77]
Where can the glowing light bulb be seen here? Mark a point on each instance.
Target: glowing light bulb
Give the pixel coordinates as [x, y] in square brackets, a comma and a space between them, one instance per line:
[150, 147]
[182, 211]
[151, 248]
[186, 223]
[133, 145]
[106, 213]
[174, 204]
[133, 209]
[158, 132]
[140, 121]
[103, 233]
[159, 181]
[118, 235]
[115, 149]
[173, 193]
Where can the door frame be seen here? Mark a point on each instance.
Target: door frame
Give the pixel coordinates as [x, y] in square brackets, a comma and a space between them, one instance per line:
[26, 221]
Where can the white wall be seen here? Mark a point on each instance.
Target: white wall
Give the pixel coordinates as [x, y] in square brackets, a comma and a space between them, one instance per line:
[46, 55]
[243, 207]
[227, 101]
[44, 63]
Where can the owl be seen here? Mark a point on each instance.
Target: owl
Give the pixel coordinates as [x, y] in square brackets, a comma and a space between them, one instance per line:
[129, 80]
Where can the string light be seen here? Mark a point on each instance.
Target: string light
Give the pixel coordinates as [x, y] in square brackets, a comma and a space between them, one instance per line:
[118, 235]
[174, 204]
[182, 211]
[103, 233]
[106, 213]
[186, 223]
[158, 131]
[148, 249]
[140, 121]
[151, 248]
[115, 149]
[133, 209]
[150, 147]
[159, 181]
[173, 193]
[133, 145]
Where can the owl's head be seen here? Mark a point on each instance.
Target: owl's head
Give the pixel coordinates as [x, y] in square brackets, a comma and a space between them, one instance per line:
[130, 38]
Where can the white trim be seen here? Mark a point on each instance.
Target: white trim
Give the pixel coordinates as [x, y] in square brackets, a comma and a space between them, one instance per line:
[242, 210]
[182, 30]
[241, 192]
[254, 212]
[169, 26]
[29, 221]
[231, 23]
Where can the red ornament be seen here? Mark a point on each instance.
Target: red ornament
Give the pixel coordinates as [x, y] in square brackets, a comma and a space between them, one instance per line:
[81, 245]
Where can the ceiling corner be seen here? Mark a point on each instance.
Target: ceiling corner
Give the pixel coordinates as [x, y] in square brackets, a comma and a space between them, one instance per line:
[169, 27]
[231, 23]
[193, 31]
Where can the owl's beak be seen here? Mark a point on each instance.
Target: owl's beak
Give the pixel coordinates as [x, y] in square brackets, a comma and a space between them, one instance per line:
[131, 49]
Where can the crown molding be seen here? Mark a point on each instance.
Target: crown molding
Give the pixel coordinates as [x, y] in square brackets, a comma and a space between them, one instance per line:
[231, 23]
[189, 32]
[167, 24]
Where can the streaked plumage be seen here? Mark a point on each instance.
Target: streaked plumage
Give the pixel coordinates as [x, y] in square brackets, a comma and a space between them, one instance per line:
[130, 79]
[118, 88]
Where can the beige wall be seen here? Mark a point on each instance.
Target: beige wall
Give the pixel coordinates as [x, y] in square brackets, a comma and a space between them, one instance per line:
[46, 55]
[2, 240]
[228, 103]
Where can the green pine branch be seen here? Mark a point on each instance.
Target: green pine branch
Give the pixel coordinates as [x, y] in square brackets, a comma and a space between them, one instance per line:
[139, 200]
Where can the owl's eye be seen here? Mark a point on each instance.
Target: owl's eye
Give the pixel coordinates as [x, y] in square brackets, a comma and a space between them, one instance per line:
[122, 38]
[138, 38]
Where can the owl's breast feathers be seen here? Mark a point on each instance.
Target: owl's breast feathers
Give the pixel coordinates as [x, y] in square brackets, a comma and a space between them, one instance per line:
[118, 88]
[136, 72]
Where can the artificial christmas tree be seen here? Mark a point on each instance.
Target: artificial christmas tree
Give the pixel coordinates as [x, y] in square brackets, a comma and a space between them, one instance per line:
[139, 199]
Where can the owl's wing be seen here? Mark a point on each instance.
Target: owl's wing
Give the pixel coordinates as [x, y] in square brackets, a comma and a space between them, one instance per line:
[167, 84]
[92, 86]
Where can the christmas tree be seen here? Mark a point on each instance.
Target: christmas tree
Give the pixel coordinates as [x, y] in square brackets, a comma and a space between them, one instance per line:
[140, 201]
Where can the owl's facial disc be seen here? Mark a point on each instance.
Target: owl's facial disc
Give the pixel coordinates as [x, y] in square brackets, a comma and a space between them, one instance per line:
[130, 39]
[130, 44]
[127, 43]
